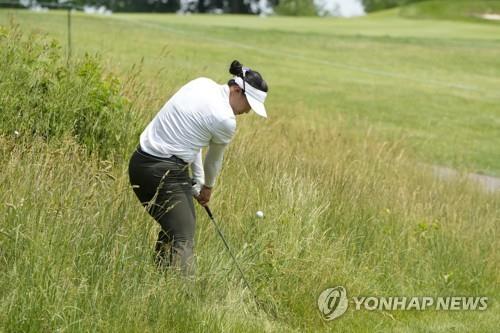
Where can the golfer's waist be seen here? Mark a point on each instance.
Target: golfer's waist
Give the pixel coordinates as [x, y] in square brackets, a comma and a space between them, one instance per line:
[172, 158]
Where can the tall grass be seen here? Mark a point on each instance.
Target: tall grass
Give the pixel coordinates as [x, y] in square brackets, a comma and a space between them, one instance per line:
[43, 95]
[76, 246]
[340, 209]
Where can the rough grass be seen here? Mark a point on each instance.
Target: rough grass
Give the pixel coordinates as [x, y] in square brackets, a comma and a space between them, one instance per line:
[345, 204]
[76, 244]
[42, 94]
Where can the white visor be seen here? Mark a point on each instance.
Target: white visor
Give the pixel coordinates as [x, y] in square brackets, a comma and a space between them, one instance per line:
[255, 97]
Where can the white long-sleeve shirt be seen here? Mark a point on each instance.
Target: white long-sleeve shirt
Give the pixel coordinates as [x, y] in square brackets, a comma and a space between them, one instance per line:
[198, 115]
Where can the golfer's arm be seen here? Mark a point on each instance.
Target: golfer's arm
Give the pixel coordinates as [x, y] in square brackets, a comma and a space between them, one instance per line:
[213, 162]
[197, 169]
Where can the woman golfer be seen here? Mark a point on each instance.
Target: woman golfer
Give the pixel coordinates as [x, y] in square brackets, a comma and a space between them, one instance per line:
[201, 114]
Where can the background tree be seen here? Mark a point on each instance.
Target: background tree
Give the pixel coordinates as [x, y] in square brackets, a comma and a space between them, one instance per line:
[296, 7]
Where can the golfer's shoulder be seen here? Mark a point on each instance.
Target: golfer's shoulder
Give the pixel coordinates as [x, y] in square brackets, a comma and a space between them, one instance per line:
[224, 123]
[203, 84]
[216, 103]
[200, 91]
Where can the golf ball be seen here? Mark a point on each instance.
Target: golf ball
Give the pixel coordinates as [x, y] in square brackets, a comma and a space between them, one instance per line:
[259, 214]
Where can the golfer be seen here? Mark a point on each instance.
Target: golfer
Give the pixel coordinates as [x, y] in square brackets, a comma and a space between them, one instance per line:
[201, 114]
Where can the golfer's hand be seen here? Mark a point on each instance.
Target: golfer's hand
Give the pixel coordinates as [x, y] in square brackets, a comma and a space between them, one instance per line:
[204, 196]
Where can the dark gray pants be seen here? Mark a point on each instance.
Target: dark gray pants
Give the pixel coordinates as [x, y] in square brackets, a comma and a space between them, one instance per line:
[163, 187]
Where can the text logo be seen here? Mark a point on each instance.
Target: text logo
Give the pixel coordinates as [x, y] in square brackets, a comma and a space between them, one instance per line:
[332, 302]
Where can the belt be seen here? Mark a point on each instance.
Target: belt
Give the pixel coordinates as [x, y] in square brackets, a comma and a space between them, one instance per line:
[172, 158]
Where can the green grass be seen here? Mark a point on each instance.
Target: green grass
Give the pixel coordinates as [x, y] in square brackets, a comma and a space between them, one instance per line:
[469, 10]
[354, 106]
[43, 94]
[433, 83]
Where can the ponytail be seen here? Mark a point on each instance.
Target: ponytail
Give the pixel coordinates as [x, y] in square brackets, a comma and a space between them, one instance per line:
[251, 77]
[236, 68]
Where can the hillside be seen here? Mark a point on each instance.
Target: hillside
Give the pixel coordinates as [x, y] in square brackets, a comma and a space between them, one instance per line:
[478, 11]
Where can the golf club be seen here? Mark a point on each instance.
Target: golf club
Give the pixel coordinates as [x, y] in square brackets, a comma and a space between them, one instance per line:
[269, 310]
[230, 252]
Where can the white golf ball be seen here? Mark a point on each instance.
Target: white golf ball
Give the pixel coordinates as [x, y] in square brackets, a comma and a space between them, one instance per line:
[259, 214]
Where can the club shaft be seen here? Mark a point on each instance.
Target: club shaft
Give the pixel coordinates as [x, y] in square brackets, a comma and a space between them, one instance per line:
[227, 247]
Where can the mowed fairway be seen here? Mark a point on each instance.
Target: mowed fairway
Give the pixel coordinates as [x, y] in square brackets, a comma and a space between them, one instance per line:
[355, 107]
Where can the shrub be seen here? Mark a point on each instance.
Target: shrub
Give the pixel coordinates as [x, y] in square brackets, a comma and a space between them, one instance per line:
[43, 95]
[296, 8]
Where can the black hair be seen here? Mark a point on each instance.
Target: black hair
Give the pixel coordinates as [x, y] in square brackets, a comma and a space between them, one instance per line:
[251, 77]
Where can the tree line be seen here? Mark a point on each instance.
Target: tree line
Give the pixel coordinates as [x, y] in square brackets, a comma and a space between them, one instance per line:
[286, 7]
